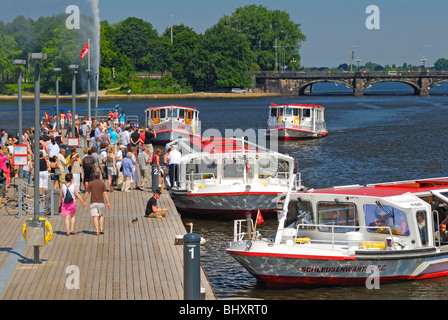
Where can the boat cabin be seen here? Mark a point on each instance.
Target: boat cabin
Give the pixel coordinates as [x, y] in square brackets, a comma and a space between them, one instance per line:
[232, 162]
[185, 115]
[404, 215]
[307, 115]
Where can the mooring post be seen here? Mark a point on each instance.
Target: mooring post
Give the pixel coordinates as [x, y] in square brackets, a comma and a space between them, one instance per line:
[192, 266]
[155, 177]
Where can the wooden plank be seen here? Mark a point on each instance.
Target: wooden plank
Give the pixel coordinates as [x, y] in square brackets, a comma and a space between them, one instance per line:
[137, 261]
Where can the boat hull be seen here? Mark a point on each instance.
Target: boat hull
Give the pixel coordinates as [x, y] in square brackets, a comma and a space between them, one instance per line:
[172, 130]
[233, 205]
[294, 133]
[296, 270]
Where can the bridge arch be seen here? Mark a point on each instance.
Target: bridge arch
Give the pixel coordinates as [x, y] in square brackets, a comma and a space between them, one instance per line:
[306, 84]
[413, 85]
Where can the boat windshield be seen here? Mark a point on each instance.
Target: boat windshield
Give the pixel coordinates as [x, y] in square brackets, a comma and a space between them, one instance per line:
[338, 214]
[384, 218]
[300, 212]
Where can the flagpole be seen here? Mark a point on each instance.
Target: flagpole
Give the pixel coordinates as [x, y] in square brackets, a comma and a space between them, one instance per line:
[255, 227]
[88, 85]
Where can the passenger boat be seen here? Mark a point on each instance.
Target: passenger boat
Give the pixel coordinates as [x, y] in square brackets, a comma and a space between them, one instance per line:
[228, 177]
[296, 121]
[351, 235]
[173, 122]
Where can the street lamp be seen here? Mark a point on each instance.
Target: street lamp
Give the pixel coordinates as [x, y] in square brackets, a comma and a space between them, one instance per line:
[74, 69]
[358, 60]
[89, 117]
[58, 123]
[97, 80]
[19, 64]
[37, 57]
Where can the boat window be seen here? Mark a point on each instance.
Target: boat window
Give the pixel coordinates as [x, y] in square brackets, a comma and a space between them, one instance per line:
[172, 113]
[306, 113]
[280, 112]
[234, 168]
[384, 218]
[300, 212]
[422, 226]
[273, 112]
[162, 113]
[342, 215]
[202, 170]
[295, 112]
[182, 113]
[288, 111]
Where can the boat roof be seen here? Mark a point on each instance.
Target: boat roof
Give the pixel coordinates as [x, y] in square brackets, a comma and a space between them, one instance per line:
[388, 189]
[219, 145]
[299, 105]
[172, 106]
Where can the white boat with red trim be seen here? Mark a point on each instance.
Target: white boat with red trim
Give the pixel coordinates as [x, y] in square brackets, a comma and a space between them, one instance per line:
[173, 122]
[296, 121]
[227, 177]
[351, 235]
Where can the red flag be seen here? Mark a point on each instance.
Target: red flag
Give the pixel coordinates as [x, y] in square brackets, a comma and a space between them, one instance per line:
[259, 218]
[85, 51]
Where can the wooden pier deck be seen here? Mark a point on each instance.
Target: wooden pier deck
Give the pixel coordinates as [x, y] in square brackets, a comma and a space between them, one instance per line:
[131, 261]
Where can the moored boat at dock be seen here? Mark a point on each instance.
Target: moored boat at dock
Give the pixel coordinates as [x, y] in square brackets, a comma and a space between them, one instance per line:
[227, 177]
[173, 122]
[349, 235]
[296, 121]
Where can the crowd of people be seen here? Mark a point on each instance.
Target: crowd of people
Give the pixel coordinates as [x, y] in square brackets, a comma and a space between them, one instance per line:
[116, 156]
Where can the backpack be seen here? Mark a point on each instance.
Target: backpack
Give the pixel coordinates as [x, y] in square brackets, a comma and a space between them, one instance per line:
[92, 133]
[68, 196]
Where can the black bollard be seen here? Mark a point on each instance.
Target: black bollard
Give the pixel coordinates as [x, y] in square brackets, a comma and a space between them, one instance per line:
[192, 266]
[155, 177]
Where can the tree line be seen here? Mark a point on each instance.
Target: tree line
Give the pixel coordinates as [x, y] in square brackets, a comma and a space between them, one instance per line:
[252, 38]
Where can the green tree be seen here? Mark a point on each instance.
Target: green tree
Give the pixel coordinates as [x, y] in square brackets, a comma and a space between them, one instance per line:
[265, 30]
[135, 38]
[8, 53]
[441, 64]
[222, 58]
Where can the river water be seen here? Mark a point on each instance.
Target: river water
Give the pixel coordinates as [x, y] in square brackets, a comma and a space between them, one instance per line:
[387, 135]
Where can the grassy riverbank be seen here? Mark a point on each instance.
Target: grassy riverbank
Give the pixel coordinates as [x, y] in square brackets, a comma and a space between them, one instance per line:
[105, 96]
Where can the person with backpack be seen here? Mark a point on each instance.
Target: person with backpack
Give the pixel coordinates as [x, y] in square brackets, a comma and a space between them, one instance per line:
[89, 167]
[67, 200]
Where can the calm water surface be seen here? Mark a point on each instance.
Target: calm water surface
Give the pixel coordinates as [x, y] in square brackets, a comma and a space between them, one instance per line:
[375, 138]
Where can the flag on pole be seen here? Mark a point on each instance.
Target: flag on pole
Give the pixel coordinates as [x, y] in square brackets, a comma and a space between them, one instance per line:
[85, 51]
[259, 218]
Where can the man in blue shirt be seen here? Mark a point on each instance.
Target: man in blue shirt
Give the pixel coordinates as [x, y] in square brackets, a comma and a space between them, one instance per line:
[127, 166]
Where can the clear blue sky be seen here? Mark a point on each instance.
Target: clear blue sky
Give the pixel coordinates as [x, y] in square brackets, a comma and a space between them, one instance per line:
[408, 29]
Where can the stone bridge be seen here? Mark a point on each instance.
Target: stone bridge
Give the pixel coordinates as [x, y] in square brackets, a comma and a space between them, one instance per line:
[296, 82]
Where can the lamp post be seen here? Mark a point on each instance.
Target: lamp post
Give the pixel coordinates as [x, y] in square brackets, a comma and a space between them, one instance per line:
[37, 57]
[19, 64]
[97, 80]
[89, 106]
[358, 60]
[74, 69]
[58, 122]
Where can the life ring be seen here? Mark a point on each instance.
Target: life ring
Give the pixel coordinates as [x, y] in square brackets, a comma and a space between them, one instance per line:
[297, 120]
[48, 230]
[280, 119]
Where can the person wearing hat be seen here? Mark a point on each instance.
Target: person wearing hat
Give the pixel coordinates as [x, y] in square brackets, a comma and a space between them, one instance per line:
[127, 165]
[174, 159]
[152, 211]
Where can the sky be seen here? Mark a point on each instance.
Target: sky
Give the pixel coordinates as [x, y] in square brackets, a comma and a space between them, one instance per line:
[407, 31]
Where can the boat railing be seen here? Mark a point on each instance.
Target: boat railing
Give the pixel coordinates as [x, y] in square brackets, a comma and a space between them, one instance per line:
[238, 229]
[363, 230]
[198, 176]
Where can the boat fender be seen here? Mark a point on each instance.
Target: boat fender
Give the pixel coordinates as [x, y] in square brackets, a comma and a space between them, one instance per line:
[297, 120]
[280, 119]
[48, 230]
